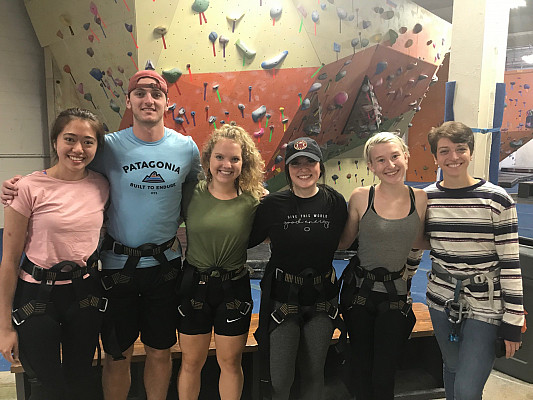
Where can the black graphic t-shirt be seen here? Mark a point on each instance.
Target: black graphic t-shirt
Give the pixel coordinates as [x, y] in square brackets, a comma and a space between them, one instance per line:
[304, 232]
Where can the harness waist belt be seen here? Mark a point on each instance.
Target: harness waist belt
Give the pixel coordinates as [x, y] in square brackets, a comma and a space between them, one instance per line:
[144, 250]
[311, 279]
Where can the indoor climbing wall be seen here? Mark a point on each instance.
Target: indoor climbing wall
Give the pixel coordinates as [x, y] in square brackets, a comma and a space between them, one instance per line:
[422, 167]
[336, 70]
[345, 174]
[517, 126]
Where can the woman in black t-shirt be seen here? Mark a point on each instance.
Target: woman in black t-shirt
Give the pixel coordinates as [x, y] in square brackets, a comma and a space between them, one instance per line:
[299, 288]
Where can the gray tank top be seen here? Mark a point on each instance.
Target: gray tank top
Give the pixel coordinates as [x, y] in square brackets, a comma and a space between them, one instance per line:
[385, 242]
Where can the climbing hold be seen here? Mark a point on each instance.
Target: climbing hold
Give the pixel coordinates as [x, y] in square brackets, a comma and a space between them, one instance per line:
[391, 36]
[340, 98]
[417, 28]
[275, 12]
[380, 67]
[278, 159]
[340, 75]
[354, 42]
[314, 87]
[364, 42]
[366, 24]
[408, 43]
[387, 15]
[259, 113]
[248, 53]
[149, 65]
[421, 77]
[90, 51]
[200, 6]
[241, 107]
[172, 75]
[377, 37]
[96, 74]
[315, 16]
[275, 61]
[223, 40]
[322, 76]
[305, 104]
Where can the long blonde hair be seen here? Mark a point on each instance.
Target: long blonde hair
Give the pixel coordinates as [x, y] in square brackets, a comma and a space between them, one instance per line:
[251, 178]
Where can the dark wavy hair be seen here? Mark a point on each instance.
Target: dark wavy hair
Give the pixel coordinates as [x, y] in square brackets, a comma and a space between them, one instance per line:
[457, 132]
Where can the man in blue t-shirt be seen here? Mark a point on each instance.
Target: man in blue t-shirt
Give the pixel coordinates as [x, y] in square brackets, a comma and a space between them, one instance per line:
[146, 166]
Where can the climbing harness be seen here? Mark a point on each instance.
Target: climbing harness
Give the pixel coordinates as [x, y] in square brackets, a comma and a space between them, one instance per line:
[63, 271]
[457, 308]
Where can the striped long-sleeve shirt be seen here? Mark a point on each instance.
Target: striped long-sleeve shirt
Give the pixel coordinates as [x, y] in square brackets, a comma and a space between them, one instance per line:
[472, 230]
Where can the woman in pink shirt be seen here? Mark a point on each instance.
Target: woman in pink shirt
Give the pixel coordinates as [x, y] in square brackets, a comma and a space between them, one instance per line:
[50, 312]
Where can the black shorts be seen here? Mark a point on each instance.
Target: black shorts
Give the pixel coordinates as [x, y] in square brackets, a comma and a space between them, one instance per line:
[146, 305]
[227, 322]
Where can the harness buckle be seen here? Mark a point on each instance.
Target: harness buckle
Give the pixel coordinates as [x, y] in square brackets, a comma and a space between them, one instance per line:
[37, 273]
[103, 307]
[248, 307]
[276, 317]
[117, 247]
[50, 282]
[276, 272]
[335, 312]
[181, 312]
[15, 318]
[448, 308]
[107, 282]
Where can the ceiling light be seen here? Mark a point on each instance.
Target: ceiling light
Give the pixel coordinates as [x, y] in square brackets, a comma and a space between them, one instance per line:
[528, 59]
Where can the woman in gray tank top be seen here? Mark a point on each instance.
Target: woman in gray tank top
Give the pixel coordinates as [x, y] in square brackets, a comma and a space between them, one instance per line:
[388, 220]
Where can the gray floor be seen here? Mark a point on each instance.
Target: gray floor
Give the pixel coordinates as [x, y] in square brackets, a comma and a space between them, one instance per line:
[499, 387]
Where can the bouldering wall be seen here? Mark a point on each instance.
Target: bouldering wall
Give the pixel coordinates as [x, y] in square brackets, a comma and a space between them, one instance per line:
[422, 167]
[517, 126]
[334, 70]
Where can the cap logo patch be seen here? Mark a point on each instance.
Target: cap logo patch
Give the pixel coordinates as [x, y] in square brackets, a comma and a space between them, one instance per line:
[300, 145]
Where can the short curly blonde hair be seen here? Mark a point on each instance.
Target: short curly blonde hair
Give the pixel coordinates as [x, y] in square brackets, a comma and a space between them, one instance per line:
[251, 178]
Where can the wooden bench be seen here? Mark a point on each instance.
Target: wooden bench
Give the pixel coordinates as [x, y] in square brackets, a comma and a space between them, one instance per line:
[423, 328]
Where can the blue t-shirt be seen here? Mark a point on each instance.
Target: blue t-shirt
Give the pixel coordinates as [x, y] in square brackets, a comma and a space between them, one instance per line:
[145, 189]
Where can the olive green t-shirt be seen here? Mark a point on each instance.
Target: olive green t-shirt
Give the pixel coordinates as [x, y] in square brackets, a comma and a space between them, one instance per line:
[218, 230]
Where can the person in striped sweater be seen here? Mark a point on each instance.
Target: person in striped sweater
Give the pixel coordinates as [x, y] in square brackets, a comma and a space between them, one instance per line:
[474, 290]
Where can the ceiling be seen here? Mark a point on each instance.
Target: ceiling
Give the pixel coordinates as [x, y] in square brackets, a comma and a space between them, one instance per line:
[519, 40]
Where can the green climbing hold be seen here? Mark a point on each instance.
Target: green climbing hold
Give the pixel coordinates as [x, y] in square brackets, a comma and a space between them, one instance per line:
[172, 75]
[200, 5]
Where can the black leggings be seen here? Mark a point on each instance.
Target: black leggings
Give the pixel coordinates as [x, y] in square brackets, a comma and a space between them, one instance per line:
[305, 345]
[57, 348]
[376, 340]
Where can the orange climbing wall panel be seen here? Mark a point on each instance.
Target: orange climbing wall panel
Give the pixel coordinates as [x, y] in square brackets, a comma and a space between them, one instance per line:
[422, 166]
[517, 126]
[272, 91]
